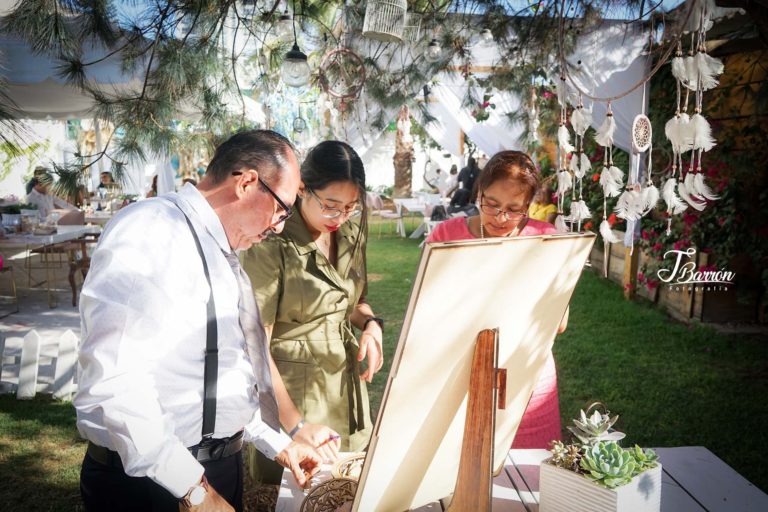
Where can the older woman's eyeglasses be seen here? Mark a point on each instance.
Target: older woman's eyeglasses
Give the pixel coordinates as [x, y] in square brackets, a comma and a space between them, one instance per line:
[506, 215]
[287, 210]
[332, 213]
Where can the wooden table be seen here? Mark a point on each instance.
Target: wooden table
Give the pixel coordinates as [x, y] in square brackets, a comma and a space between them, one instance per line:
[26, 243]
[694, 480]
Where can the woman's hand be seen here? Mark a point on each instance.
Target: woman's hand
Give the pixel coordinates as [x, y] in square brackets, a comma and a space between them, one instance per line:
[324, 439]
[370, 347]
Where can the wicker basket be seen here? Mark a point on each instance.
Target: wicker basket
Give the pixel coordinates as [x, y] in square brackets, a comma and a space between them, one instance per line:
[385, 20]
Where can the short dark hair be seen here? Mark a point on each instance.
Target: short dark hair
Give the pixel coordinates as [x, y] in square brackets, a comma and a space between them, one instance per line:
[512, 165]
[262, 150]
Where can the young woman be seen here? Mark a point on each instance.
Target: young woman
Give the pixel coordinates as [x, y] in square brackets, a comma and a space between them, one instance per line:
[310, 283]
[504, 191]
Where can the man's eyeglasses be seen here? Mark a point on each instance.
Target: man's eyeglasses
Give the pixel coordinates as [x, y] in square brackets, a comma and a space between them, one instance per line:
[287, 210]
[506, 215]
[332, 213]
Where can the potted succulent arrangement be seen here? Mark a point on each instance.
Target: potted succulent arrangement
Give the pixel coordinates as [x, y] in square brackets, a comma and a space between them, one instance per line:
[595, 474]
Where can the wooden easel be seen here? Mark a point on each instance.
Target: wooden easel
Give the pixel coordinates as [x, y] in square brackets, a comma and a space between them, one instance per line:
[474, 482]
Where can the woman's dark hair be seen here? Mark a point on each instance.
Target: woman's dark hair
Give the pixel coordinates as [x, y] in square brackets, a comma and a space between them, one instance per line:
[333, 161]
[262, 150]
[509, 165]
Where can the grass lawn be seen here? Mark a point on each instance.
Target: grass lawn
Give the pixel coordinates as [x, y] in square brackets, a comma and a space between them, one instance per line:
[672, 385]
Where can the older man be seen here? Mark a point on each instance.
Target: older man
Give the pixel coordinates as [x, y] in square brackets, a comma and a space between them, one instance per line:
[173, 373]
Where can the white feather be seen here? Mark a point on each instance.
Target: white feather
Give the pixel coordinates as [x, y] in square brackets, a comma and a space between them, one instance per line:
[583, 210]
[581, 118]
[604, 134]
[709, 69]
[573, 165]
[562, 92]
[564, 140]
[674, 204]
[691, 188]
[607, 233]
[670, 130]
[678, 68]
[650, 198]
[702, 133]
[702, 189]
[564, 182]
[611, 179]
[691, 73]
[560, 225]
[685, 133]
[579, 211]
[584, 164]
[683, 191]
[629, 205]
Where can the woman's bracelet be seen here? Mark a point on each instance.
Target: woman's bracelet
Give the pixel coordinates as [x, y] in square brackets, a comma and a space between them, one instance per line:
[296, 429]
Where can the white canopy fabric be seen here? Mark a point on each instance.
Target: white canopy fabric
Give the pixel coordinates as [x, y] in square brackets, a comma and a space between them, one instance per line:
[612, 61]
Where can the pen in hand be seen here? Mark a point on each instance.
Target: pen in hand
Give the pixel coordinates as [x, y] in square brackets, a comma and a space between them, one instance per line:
[333, 437]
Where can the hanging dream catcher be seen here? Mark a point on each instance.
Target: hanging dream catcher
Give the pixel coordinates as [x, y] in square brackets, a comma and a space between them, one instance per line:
[342, 75]
[641, 133]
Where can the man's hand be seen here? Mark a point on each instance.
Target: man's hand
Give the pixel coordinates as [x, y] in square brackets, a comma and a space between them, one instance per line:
[370, 346]
[213, 502]
[324, 439]
[302, 460]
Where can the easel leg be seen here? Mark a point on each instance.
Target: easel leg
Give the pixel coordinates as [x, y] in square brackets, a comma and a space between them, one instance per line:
[473, 485]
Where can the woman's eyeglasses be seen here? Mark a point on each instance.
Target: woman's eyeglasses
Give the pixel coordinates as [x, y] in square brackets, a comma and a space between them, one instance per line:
[507, 215]
[287, 210]
[332, 213]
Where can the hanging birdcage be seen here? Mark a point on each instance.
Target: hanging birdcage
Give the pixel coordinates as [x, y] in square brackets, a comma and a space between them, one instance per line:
[385, 20]
[412, 28]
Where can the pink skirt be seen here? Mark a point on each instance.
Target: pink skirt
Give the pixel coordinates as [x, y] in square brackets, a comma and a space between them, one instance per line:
[541, 420]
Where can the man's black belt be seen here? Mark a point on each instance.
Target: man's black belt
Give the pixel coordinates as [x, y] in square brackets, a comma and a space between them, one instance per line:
[207, 450]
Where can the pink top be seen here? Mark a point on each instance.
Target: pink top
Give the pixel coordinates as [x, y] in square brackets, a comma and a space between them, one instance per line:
[456, 229]
[541, 421]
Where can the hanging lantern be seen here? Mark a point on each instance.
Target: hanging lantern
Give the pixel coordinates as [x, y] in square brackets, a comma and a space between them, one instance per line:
[284, 26]
[485, 37]
[434, 51]
[385, 20]
[299, 123]
[295, 70]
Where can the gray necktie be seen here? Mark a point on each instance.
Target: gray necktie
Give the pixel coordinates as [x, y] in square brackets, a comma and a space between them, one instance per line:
[256, 344]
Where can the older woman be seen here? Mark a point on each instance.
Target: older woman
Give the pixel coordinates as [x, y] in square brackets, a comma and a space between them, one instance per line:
[504, 190]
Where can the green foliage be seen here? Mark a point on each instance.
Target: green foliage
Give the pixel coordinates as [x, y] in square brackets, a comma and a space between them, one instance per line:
[595, 427]
[607, 464]
[567, 456]
[645, 459]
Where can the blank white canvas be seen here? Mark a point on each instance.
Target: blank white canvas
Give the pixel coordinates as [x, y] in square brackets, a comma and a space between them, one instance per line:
[521, 286]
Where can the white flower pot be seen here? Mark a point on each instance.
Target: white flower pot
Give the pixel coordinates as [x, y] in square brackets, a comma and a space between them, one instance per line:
[565, 491]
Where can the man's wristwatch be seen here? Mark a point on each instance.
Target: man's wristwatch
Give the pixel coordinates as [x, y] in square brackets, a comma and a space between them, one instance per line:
[196, 494]
[376, 319]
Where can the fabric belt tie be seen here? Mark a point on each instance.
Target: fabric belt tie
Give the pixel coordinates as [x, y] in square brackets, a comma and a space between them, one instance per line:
[321, 331]
[211, 449]
[256, 343]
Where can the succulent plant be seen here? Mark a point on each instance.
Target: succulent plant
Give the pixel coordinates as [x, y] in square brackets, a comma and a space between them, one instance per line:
[565, 456]
[597, 427]
[645, 459]
[606, 463]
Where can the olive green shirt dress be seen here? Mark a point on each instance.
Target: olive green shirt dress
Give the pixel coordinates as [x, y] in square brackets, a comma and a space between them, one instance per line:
[308, 302]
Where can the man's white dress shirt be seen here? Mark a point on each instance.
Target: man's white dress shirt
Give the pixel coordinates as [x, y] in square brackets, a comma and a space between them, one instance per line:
[143, 318]
[47, 202]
